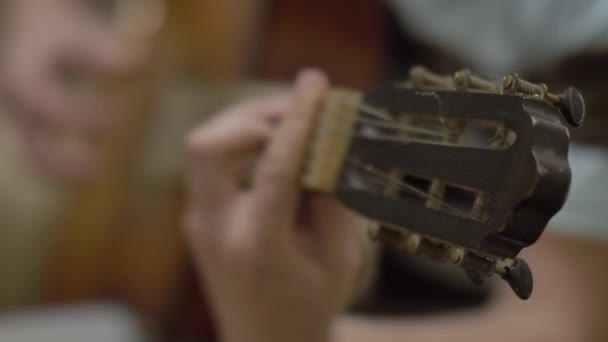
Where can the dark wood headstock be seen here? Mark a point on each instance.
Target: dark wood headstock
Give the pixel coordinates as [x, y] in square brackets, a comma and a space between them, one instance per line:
[459, 169]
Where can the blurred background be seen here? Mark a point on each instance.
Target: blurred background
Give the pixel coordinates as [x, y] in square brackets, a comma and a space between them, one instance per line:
[105, 258]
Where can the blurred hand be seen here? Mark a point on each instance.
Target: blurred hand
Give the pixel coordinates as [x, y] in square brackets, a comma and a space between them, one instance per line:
[49, 42]
[277, 263]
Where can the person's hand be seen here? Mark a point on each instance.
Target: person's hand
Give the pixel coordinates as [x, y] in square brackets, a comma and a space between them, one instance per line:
[47, 43]
[277, 264]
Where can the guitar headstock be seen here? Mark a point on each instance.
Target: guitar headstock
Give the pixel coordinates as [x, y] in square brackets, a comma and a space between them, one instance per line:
[456, 168]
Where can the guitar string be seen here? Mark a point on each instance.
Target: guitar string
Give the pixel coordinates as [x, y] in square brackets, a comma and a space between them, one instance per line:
[400, 127]
[386, 121]
[370, 169]
[404, 139]
[368, 109]
[447, 208]
[378, 113]
[379, 135]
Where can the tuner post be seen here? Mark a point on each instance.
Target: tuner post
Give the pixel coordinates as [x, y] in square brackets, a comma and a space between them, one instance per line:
[423, 77]
[466, 79]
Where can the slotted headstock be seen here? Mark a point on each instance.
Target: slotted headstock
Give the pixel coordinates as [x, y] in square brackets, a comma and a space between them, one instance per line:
[455, 168]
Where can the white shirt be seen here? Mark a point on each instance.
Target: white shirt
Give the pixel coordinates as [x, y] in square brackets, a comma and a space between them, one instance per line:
[498, 36]
[585, 214]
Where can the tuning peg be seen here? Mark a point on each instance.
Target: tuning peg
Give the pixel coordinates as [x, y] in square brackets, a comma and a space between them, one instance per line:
[423, 77]
[572, 104]
[466, 79]
[570, 101]
[519, 277]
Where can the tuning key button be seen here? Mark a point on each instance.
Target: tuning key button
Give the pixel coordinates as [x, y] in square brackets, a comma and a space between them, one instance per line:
[519, 277]
[572, 104]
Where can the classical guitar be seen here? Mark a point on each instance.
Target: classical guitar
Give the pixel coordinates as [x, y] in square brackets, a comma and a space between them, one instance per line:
[457, 168]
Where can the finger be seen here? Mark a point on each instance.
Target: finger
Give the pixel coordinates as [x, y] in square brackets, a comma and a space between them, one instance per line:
[232, 131]
[222, 126]
[35, 89]
[217, 150]
[140, 22]
[277, 181]
[102, 51]
[64, 159]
